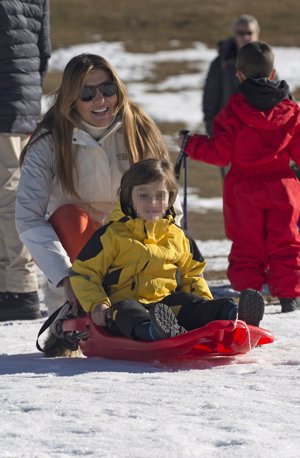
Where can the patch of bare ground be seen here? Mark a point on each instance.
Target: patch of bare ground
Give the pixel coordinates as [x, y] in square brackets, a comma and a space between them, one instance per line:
[148, 26]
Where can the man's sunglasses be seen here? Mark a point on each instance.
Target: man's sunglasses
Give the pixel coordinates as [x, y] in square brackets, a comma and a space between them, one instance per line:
[107, 89]
[243, 33]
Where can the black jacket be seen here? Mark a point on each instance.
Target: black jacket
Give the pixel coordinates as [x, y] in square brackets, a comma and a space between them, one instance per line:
[24, 52]
[221, 81]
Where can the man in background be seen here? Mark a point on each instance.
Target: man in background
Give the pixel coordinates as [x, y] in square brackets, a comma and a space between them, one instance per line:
[221, 81]
[24, 52]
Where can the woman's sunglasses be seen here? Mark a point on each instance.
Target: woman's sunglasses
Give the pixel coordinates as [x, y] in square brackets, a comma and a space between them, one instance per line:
[107, 89]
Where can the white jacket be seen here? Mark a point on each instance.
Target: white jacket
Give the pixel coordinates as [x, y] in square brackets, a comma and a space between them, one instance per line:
[100, 166]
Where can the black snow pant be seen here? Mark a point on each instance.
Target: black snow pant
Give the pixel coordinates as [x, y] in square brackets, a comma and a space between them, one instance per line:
[191, 311]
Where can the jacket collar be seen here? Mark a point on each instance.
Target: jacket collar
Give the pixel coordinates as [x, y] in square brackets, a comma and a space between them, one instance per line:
[262, 93]
[149, 231]
[81, 137]
[227, 50]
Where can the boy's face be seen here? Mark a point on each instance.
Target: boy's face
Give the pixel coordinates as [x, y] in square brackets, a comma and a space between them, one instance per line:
[150, 201]
[246, 33]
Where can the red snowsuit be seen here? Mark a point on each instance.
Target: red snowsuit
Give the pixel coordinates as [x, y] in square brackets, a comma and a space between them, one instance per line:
[261, 201]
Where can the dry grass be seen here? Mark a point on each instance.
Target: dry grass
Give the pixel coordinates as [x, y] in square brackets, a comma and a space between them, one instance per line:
[151, 25]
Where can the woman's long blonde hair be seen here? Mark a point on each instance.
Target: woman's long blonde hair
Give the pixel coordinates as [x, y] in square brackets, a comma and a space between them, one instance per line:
[142, 137]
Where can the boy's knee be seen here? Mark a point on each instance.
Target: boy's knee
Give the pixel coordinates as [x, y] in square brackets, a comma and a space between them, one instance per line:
[228, 309]
[126, 314]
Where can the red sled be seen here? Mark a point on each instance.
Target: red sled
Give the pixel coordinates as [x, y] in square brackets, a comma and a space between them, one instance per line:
[217, 338]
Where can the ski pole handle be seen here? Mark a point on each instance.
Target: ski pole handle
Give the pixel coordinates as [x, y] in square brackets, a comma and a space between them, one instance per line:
[181, 155]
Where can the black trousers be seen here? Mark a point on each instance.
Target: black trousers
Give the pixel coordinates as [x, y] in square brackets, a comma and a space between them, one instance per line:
[191, 311]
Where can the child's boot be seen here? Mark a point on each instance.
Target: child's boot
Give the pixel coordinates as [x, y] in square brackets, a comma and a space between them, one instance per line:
[251, 307]
[164, 323]
[289, 304]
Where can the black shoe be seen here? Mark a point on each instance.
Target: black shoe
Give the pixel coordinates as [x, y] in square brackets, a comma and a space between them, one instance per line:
[19, 306]
[163, 322]
[251, 307]
[289, 304]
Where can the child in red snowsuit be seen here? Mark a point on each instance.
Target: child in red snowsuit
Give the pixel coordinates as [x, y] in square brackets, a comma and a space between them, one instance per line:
[258, 133]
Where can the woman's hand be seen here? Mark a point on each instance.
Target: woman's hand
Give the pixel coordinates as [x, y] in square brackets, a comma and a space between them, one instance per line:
[69, 293]
[98, 314]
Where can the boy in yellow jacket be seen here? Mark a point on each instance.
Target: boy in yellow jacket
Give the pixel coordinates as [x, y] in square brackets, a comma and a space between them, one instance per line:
[142, 276]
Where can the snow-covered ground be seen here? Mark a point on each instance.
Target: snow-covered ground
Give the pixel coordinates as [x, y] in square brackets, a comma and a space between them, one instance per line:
[247, 406]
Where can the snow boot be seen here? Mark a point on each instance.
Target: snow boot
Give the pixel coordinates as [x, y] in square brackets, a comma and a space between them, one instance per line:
[289, 304]
[164, 323]
[19, 306]
[251, 307]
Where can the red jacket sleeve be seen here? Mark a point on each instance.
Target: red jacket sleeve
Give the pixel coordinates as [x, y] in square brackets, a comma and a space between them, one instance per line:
[294, 147]
[218, 149]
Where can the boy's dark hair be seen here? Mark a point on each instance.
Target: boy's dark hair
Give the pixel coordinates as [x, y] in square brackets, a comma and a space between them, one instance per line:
[144, 172]
[256, 60]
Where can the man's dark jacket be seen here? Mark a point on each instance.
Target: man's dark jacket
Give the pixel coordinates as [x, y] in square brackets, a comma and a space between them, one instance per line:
[221, 81]
[24, 52]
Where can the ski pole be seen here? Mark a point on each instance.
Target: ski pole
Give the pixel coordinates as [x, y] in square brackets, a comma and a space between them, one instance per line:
[182, 157]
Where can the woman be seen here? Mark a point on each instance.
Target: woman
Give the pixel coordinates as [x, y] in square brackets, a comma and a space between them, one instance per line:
[77, 155]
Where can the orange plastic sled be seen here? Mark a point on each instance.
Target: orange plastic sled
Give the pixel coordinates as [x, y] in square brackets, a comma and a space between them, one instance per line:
[217, 338]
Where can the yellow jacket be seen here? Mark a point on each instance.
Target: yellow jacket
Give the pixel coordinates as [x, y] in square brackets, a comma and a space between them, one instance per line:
[140, 260]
